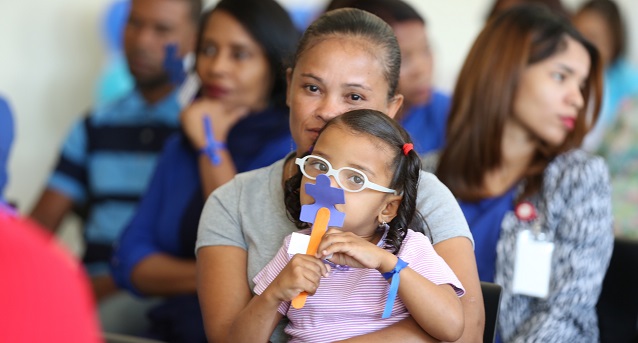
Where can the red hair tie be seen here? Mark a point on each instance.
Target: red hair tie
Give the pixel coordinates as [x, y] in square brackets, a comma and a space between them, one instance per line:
[407, 147]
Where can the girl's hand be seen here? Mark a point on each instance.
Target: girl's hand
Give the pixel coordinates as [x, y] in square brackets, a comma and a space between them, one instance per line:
[349, 249]
[222, 120]
[302, 274]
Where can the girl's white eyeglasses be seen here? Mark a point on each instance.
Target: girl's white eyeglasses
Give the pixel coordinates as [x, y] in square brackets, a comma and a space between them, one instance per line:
[349, 179]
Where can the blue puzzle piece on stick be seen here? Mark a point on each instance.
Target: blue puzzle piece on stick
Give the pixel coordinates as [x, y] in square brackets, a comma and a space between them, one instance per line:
[174, 65]
[325, 196]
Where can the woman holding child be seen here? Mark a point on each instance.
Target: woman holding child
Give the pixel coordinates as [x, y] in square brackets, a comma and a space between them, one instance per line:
[347, 59]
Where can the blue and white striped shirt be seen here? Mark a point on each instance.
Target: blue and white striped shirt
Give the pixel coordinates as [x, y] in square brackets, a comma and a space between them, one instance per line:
[106, 163]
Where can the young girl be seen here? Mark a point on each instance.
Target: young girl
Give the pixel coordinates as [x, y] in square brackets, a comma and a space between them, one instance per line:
[371, 158]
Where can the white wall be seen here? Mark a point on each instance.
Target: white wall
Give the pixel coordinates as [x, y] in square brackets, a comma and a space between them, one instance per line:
[49, 59]
[51, 53]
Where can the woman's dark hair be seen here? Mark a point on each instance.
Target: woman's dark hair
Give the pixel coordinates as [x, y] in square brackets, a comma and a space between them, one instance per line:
[391, 11]
[196, 10]
[271, 27]
[406, 169]
[485, 91]
[354, 23]
[610, 12]
[336, 4]
[555, 6]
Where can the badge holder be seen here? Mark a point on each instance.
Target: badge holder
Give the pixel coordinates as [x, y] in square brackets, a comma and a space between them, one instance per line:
[533, 262]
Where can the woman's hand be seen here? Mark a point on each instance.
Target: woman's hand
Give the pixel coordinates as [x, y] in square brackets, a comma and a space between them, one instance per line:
[302, 274]
[349, 249]
[222, 120]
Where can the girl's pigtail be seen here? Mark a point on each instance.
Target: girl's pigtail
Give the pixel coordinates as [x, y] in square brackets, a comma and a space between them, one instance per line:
[408, 172]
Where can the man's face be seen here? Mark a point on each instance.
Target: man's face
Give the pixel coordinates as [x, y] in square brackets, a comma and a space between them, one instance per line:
[153, 24]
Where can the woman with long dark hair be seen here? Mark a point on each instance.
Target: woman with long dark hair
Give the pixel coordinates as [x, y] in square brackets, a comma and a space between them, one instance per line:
[538, 207]
[239, 122]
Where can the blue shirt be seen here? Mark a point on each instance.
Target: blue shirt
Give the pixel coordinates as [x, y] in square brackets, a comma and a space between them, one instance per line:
[106, 163]
[168, 215]
[6, 138]
[427, 123]
[621, 83]
[484, 218]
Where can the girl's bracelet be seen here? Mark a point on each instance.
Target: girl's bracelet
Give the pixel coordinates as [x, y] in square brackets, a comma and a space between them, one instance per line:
[394, 286]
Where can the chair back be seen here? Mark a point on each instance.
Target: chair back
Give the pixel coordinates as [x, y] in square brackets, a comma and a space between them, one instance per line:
[617, 306]
[110, 337]
[492, 301]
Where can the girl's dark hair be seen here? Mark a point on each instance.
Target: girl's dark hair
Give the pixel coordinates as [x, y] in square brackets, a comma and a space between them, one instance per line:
[485, 91]
[354, 23]
[391, 11]
[610, 12]
[271, 27]
[406, 169]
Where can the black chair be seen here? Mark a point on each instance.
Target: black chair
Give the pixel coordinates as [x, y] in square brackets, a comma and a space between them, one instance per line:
[617, 306]
[491, 300]
[119, 338]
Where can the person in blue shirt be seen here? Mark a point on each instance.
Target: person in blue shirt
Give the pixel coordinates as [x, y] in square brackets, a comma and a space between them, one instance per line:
[601, 22]
[241, 47]
[539, 207]
[425, 109]
[614, 136]
[108, 157]
[6, 139]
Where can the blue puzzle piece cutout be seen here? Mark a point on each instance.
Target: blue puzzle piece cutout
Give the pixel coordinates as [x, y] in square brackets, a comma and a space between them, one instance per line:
[174, 65]
[325, 196]
[212, 145]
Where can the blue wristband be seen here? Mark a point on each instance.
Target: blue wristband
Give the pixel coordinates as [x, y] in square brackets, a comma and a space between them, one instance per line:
[394, 286]
[212, 146]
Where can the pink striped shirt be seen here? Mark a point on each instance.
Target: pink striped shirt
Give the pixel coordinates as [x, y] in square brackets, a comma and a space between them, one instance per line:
[350, 303]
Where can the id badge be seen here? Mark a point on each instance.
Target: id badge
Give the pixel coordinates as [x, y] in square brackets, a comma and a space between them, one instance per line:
[533, 265]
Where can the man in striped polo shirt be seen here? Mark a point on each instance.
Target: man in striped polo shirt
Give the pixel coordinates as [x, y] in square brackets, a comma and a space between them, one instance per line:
[109, 156]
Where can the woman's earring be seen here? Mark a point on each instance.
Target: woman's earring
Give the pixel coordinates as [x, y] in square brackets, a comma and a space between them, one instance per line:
[384, 225]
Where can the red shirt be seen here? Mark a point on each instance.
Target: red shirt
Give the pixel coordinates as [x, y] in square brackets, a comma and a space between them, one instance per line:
[44, 292]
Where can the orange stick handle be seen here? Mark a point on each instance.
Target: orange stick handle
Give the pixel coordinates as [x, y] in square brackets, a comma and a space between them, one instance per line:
[319, 229]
